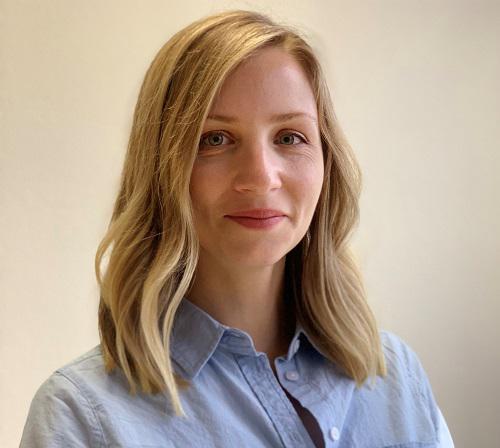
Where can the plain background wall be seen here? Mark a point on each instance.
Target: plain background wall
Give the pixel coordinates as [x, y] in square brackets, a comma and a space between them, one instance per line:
[416, 88]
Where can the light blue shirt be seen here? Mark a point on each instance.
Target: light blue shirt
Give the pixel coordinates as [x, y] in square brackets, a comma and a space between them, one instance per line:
[235, 399]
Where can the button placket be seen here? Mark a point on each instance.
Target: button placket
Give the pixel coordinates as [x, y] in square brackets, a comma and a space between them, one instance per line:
[259, 376]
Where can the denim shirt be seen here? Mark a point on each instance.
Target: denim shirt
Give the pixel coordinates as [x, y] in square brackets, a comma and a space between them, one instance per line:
[235, 399]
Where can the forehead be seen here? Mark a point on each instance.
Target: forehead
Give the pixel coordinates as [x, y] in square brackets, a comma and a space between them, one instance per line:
[270, 81]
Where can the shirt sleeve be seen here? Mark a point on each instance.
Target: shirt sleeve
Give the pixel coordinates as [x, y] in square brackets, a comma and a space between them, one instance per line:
[444, 436]
[61, 416]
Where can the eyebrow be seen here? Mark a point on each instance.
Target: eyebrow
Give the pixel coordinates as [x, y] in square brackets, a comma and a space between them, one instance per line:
[279, 118]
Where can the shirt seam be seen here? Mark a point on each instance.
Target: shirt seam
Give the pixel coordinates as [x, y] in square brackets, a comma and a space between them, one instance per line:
[418, 389]
[100, 429]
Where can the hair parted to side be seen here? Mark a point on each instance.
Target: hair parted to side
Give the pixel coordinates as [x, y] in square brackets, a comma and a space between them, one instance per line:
[151, 243]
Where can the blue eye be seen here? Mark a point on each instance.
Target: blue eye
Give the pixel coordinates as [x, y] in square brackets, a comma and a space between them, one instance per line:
[216, 138]
[212, 139]
[290, 139]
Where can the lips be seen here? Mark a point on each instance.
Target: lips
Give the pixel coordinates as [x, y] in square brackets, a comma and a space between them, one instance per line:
[257, 223]
[257, 213]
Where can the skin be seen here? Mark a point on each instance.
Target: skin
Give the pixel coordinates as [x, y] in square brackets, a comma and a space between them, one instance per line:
[255, 162]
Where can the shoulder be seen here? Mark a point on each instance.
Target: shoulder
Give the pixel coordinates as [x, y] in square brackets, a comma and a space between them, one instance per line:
[407, 376]
[394, 345]
[90, 360]
[399, 407]
[84, 379]
[82, 375]
[398, 354]
[62, 410]
[76, 374]
[404, 368]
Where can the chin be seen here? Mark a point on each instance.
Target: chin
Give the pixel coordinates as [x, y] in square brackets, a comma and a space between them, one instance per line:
[258, 258]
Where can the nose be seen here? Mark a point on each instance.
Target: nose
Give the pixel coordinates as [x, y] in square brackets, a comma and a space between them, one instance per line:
[258, 168]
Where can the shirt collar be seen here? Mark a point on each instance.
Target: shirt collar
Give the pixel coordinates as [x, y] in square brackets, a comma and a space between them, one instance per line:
[196, 335]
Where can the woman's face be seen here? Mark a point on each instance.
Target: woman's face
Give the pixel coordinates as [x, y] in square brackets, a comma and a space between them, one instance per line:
[260, 149]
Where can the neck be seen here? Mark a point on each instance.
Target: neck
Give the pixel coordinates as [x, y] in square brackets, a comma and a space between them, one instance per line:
[250, 299]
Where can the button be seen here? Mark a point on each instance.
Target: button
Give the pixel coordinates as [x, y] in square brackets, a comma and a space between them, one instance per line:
[335, 433]
[292, 375]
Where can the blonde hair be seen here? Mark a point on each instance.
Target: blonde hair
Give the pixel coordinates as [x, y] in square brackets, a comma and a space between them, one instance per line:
[151, 241]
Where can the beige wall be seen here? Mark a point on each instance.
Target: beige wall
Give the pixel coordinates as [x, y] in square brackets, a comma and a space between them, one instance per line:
[416, 88]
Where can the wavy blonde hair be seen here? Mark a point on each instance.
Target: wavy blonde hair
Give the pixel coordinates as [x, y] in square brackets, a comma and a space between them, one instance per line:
[151, 244]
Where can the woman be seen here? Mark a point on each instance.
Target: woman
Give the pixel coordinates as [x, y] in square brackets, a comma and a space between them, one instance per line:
[231, 311]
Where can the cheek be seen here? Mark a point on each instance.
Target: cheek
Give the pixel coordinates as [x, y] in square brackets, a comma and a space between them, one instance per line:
[309, 173]
[196, 188]
[203, 188]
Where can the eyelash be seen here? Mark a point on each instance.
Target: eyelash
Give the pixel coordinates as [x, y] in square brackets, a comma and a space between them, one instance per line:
[209, 134]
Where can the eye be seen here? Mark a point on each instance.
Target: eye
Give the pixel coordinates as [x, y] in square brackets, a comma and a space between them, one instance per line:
[291, 138]
[212, 139]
